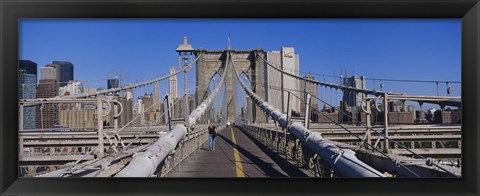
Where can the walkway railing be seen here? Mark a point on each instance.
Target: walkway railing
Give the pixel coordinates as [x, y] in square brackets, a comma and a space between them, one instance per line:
[145, 163]
[342, 160]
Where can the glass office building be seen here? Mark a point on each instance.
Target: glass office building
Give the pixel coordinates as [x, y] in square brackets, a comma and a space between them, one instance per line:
[27, 89]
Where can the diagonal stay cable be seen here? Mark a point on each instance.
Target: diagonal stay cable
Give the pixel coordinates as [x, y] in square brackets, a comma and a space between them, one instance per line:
[356, 135]
[375, 131]
[354, 89]
[145, 163]
[353, 166]
[373, 147]
[395, 142]
[389, 80]
[140, 84]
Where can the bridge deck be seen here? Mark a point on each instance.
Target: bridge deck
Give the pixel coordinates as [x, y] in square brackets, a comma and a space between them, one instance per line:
[236, 155]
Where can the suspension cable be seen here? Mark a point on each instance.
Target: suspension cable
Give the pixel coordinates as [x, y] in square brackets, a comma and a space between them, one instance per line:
[354, 89]
[379, 133]
[260, 102]
[355, 135]
[112, 90]
[365, 91]
[390, 80]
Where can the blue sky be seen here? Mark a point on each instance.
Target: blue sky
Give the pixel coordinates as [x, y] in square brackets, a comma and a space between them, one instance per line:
[141, 49]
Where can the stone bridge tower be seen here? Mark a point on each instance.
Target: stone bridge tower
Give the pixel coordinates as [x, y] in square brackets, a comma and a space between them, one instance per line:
[213, 61]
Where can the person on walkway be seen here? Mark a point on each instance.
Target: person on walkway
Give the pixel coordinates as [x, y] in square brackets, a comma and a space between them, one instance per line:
[212, 132]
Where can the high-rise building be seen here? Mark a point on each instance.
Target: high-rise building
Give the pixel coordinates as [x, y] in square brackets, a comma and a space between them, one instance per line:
[138, 113]
[274, 97]
[72, 88]
[177, 105]
[47, 114]
[161, 119]
[30, 67]
[288, 61]
[113, 83]
[156, 96]
[48, 73]
[27, 85]
[27, 88]
[127, 114]
[78, 118]
[350, 97]
[173, 85]
[310, 88]
[64, 70]
[147, 102]
[127, 111]
[144, 108]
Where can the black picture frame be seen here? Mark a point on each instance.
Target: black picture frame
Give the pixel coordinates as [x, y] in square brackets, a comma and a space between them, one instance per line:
[11, 11]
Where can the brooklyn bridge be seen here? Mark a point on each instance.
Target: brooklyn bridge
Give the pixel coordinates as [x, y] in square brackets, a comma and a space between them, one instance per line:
[271, 121]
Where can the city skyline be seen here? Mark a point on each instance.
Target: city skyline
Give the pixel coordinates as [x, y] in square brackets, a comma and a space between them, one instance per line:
[144, 49]
[365, 73]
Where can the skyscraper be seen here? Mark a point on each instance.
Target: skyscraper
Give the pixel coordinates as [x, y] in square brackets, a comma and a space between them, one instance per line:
[138, 109]
[156, 96]
[48, 73]
[78, 119]
[274, 80]
[173, 85]
[64, 70]
[147, 101]
[350, 97]
[113, 83]
[27, 88]
[127, 114]
[72, 88]
[30, 67]
[310, 88]
[47, 114]
[288, 61]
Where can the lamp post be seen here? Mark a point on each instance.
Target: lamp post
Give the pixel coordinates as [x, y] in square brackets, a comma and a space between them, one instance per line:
[185, 53]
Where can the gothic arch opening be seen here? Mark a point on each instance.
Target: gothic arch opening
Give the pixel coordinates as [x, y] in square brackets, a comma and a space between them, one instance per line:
[217, 111]
[243, 104]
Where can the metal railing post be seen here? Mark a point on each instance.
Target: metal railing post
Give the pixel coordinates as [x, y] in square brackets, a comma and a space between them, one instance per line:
[168, 117]
[385, 111]
[307, 110]
[342, 160]
[369, 124]
[289, 113]
[115, 117]
[100, 127]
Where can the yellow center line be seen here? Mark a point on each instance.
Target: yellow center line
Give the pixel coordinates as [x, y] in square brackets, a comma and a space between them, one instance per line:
[238, 161]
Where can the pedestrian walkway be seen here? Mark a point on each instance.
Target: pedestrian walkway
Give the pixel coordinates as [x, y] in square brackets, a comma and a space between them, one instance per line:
[236, 155]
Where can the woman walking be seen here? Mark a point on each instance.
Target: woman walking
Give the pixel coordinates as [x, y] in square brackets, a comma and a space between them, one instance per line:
[212, 132]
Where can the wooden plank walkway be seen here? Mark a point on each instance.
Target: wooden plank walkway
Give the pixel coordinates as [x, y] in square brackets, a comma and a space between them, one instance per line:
[236, 155]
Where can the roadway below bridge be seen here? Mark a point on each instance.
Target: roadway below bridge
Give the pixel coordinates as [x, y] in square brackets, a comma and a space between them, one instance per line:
[236, 155]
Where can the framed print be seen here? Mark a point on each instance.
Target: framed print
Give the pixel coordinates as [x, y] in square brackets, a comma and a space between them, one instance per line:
[218, 97]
